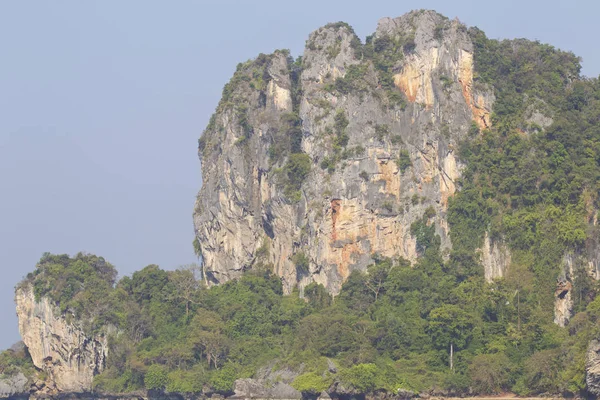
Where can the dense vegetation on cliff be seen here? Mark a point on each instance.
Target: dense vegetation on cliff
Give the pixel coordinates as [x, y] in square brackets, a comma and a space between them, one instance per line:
[433, 325]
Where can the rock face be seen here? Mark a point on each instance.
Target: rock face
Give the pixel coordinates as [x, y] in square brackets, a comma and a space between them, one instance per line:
[563, 304]
[69, 356]
[16, 386]
[495, 257]
[592, 368]
[376, 167]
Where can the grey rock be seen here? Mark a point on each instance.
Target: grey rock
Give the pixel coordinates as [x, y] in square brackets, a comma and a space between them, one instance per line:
[262, 389]
[14, 386]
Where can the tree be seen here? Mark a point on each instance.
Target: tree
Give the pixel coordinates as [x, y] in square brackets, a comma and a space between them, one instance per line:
[207, 337]
[377, 275]
[490, 373]
[318, 297]
[542, 371]
[187, 282]
[156, 377]
[311, 383]
[450, 327]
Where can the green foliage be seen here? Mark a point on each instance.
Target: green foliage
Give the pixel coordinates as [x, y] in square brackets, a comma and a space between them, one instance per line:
[311, 383]
[353, 81]
[424, 233]
[182, 381]
[289, 140]
[77, 285]
[317, 295]
[296, 170]
[301, 262]
[241, 113]
[450, 325]
[446, 82]
[363, 377]
[490, 373]
[404, 161]
[156, 377]
[15, 360]
[334, 50]
[386, 53]
[222, 380]
[382, 131]
[339, 143]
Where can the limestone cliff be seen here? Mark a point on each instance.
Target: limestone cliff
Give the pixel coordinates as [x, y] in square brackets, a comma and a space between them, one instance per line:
[58, 346]
[377, 164]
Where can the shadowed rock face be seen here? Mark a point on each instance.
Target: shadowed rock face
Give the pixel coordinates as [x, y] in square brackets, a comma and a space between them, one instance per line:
[69, 356]
[368, 203]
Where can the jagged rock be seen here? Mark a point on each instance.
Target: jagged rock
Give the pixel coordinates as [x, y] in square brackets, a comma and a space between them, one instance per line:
[366, 206]
[262, 389]
[70, 357]
[592, 368]
[15, 386]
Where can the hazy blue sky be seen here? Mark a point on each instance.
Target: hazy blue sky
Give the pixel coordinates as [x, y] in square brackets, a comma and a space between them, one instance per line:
[102, 103]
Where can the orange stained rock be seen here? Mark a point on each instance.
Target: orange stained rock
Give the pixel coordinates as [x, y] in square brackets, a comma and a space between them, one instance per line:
[347, 252]
[336, 205]
[408, 81]
[481, 115]
[416, 78]
[388, 171]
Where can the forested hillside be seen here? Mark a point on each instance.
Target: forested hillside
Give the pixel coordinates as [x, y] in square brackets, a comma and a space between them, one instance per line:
[530, 182]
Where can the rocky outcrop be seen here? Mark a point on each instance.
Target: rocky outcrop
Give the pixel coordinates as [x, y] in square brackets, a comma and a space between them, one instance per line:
[68, 355]
[269, 383]
[495, 258]
[14, 387]
[261, 389]
[592, 368]
[376, 165]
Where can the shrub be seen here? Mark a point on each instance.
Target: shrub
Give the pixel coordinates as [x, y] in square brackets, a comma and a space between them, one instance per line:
[181, 381]
[403, 161]
[362, 376]
[156, 377]
[296, 170]
[301, 262]
[381, 131]
[222, 380]
[311, 383]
